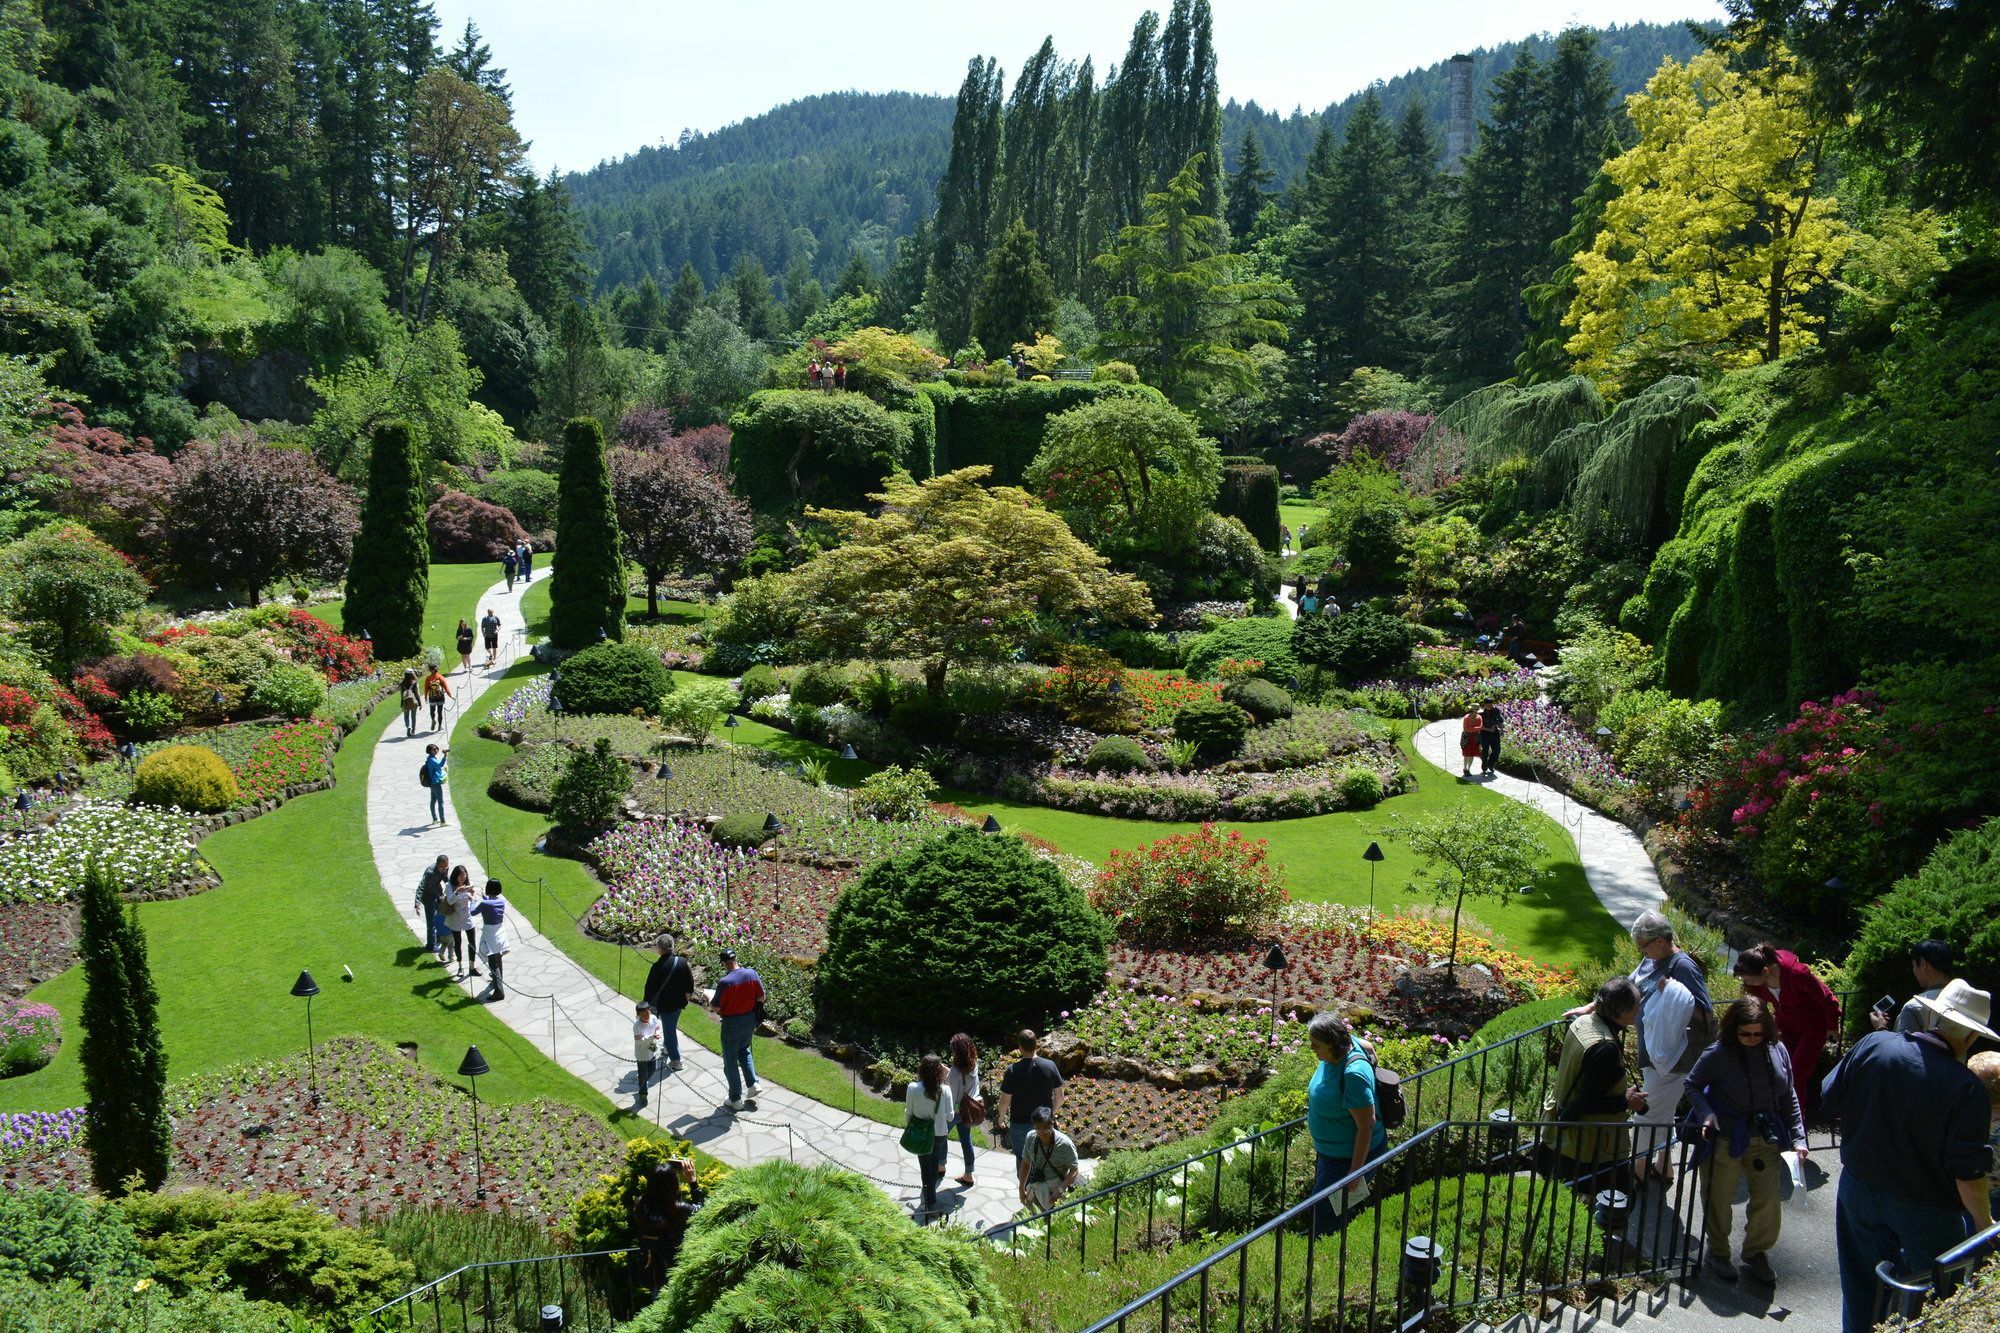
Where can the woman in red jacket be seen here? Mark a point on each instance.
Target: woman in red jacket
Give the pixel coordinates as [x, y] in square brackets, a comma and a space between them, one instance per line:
[1807, 1011]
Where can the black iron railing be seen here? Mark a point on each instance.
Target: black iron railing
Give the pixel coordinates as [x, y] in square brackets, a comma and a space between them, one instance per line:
[1463, 1215]
[1898, 1299]
[1268, 1166]
[593, 1291]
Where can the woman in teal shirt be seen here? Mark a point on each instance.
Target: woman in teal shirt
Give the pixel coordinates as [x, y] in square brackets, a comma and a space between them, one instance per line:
[1340, 1114]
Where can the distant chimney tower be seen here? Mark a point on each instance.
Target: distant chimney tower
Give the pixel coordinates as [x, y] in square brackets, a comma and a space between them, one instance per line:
[1458, 115]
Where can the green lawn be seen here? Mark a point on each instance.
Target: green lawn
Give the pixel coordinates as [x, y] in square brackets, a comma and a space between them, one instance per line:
[454, 589]
[299, 892]
[1298, 515]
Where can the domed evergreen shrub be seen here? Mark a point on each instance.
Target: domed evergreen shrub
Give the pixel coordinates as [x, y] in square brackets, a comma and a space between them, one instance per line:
[971, 926]
[820, 684]
[1117, 754]
[1262, 700]
[192, 777]
[613, 678]
[293, 691]
[1217, 727]
[1359, 644]
[55, 1236]
[743, 829]
[760, 682]
[1954, 897]
[1360, 788]
[781, 1246]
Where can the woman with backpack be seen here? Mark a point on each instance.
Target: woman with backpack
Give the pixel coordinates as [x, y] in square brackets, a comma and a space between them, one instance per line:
[412, 699]
[1741, 1098]
[1469, 728]
[929, 1106]
[1341, 1116]
[962, 1077]
[436, 691]
[432, 777]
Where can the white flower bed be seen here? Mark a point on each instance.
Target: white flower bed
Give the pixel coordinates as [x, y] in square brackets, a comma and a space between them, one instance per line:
[143, 847]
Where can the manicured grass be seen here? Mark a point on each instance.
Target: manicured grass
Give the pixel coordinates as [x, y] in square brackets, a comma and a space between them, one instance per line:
[535, 609]
[1298, 515]
[555, 891]
[454, 590]
[300, 891]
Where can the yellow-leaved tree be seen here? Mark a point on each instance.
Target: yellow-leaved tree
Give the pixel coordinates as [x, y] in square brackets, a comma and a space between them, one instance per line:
[1717, 235]
[950, 571]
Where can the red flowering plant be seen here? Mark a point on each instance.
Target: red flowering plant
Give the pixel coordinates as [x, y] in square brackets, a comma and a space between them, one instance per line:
[86, 726]
[1803, 807]
[17, 708]
[1087, 695]
[287, 757]
[312, 642]
[175, 632]
[1190, 886]
[96, 695]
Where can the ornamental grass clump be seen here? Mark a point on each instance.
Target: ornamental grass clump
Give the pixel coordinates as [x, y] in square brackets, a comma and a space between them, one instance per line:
[1191, 886]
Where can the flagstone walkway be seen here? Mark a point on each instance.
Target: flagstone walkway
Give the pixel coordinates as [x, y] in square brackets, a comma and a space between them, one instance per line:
[1614, 861]
[592, 1024]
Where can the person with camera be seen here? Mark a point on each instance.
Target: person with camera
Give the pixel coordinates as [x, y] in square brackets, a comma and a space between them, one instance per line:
[1592, 1088]
[1931, 965]
[433, 777]
[1742, 1102]
[660, 1216]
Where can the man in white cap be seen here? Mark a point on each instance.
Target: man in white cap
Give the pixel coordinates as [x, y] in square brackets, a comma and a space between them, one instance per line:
[1913, 1147]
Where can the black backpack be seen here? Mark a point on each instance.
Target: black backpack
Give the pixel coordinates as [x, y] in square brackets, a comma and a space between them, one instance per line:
[424, 774]
[1389, 1107]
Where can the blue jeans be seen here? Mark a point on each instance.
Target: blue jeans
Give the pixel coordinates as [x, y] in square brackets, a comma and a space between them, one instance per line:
[1017, 1136]
[670, 1027]
[432, 927]
[1326, 1170]
[965, 1141]
[1870, 1225]
[437, 803]
[436, 931]
[737, 1029]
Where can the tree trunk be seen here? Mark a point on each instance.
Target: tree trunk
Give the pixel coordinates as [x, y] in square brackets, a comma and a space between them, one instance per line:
[934, 677]
[652, 595]
[1774, 310]
[1451, 953]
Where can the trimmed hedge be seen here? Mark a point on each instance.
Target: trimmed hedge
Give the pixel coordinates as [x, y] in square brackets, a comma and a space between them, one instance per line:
[743, 829]
[1117, 754]
[1259, 698]
[612, 678]
[1002, 427]
[1218, 728]
[849, 441]
[1266, 639]
[1250, 493]
[1955, 897]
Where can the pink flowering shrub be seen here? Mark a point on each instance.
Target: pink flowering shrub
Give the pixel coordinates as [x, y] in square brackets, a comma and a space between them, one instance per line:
[1190, 886]
[29, 1036]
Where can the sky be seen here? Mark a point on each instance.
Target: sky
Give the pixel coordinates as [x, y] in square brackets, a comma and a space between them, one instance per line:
[597, 79]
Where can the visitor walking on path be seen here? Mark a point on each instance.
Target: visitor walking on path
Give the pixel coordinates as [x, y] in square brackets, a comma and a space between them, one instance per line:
[459, 900]
[929, 1105]
[669, 987]
[436, 691]
[1049, 1163]
[464, 640]
[1932, 964]
[1676, 1024]
[646, 1035]
[524, 560]
[507, 567]
[1492, 725]
[1031, 1083]
[739, 995]
[970, 1108]
[411, 696]
[430, 891]
[1468, 740]
[489, 628]
[1340, 1116]
[1913, 1147]
[840, 375]
[492, 913]
[433, 777]
[1740, 1092]
[1807, 1011]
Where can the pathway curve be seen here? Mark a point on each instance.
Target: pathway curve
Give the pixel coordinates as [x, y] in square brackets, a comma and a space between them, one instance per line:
[593, 1036]
[1620, 873]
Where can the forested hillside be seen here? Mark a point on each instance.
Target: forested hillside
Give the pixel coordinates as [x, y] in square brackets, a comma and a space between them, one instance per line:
[830, 176]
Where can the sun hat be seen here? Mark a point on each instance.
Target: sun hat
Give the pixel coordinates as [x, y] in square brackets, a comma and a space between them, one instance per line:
[1960, 1003]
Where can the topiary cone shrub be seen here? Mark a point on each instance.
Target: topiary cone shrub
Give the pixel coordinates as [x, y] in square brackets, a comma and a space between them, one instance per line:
[587, 591]
[613, 678]
[388, 575]
[192, 777]
[974, 928]
[780, 1246]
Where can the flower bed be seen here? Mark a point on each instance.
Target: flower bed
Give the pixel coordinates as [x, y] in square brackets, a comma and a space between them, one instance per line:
[1543, 735]
[37, 1137]
[1210, 796]
[1449, 697]
[386, 1135]
[289, 756]
[30, 1034]
[1105, 1114]
[1309, 736]
[37, 942]
[1180, 1032]
[1421, 936]
[145, 850]
[665, 875]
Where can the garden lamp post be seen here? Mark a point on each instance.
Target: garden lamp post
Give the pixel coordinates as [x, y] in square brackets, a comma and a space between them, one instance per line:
[1276, 962]
[772, 829]
[729, 724]
[1837, 884]
[305, 987]
[847, 753]
[991, 825]
[472, 1066]
[1603, 733]
[1373, 856]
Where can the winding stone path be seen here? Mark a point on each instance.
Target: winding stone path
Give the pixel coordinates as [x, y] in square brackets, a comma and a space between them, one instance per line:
[1614, 861]
[593, 1024]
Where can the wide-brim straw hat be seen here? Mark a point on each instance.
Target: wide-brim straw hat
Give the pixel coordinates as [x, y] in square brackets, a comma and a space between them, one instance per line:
[1964, 1005]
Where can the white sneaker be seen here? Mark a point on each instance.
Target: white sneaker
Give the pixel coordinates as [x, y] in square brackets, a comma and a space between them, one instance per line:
[735, 1103]
[756, 1088]
[673, 1064]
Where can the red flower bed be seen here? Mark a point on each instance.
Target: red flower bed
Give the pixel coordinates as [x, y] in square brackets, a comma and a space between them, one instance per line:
[1323, 965]
[86, 726]
[315, 643]
[785, 904]
[287, 757]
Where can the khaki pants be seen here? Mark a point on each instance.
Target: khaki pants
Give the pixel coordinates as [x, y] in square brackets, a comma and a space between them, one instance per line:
[1763, 1164]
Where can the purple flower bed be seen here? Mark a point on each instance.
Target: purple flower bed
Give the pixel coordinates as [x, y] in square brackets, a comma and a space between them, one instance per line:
[664, 875]
[529, 698]
[1459, 694]
[29, 1036]
[30, 1134]
[1546, 736]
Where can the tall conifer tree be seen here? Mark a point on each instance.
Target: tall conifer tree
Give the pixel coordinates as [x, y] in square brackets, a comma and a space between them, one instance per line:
[1246, 187]
[587, 594]
[684, 298]
[388, 574]
[1353, 272]
[1018, 298]
[965, 205]
[124, 1061]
